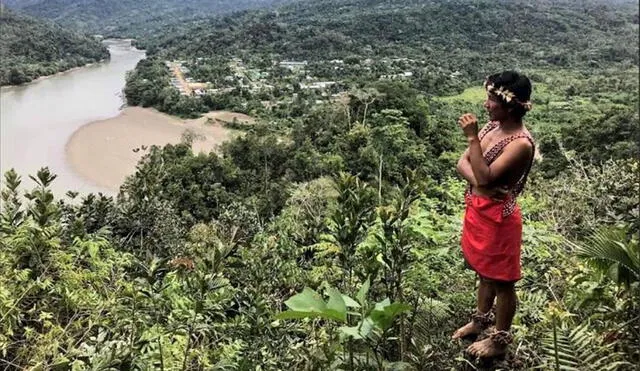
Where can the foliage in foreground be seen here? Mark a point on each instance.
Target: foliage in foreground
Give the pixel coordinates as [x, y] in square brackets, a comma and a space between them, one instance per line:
[70, 297]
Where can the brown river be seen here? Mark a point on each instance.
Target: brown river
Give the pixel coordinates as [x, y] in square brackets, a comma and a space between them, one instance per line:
[37, 119]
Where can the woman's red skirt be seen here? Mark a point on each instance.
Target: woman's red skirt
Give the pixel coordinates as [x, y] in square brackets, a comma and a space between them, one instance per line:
[490, 242]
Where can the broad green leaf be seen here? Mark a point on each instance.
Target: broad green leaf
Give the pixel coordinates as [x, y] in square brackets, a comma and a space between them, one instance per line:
[350, 303]
[336, 304]
[382, 304]
[334, 315]
[397, 308]
[364, 289]
[366, 326]
[306, 301]
[385, 313]
[309, 304]
[350, 331]
[360, 331]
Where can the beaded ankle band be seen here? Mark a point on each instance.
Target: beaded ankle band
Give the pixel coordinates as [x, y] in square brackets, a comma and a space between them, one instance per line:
[503, 338]
[483, 319]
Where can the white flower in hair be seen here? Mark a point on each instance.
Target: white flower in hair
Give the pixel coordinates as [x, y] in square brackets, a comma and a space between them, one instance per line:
[507, 95]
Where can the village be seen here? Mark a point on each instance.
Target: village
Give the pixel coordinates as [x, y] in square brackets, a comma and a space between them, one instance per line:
[282, 81]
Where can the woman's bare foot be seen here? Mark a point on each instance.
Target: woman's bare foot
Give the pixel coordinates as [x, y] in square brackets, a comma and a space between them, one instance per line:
[486, 348]
[471, 328]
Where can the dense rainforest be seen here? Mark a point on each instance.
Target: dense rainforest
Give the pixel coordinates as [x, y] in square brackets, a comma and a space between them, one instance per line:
[31, 48]
[131, 18]
[327, 234]
[582, 57]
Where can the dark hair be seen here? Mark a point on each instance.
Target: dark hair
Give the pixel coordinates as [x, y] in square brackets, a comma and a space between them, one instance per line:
[518, 84]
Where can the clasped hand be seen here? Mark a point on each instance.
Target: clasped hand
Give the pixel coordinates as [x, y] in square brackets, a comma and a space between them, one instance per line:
[469, 124]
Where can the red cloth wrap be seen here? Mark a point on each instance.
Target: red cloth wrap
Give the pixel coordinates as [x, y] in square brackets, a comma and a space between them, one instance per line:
[491, 242]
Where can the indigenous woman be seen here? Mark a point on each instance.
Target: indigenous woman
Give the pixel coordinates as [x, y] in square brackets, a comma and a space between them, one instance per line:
[496, 165]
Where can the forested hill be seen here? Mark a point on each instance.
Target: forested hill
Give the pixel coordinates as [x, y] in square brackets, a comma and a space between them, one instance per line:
[582, 57]
[458, 35]
[131, 17]
[341, 202]
[32, 48]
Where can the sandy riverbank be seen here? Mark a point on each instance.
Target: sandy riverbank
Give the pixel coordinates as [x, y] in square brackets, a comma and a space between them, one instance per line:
[103, 151]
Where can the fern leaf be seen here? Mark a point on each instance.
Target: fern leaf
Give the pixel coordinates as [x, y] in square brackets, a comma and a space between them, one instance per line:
[578, 349]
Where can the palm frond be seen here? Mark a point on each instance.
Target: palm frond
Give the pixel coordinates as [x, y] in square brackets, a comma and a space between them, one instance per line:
[609, 250]
[578, 349]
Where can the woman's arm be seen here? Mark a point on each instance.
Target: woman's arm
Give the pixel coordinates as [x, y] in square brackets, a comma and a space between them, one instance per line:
[514, 156]
[464, 168]
[481, 171]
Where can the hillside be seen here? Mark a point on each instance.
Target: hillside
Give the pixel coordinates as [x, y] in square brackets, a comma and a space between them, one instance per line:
[454, 35]
[132, 17]
[326, 234]
[582, 56]
[32, 48]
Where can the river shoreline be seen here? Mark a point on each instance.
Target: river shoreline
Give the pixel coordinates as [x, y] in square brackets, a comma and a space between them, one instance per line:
[38, 118]
[105, 152]
[61, 73]
[73, 69]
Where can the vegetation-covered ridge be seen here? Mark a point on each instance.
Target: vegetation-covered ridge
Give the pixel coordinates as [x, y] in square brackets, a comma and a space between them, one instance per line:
[581, 56]
[132, 18]
[327, 235]
[32, 48]
[273, 253]
[348, 42]
[473, 31]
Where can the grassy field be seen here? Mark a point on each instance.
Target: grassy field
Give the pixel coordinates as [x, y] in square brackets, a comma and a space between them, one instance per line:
[474, 94]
